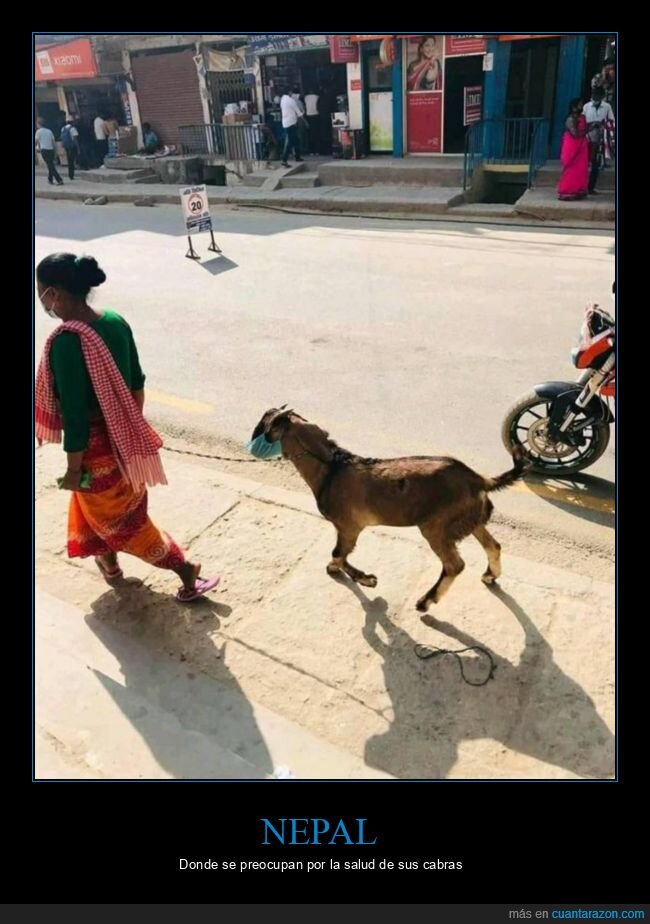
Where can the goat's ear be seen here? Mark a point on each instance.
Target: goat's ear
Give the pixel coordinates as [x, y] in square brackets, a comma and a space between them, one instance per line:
[280, 418]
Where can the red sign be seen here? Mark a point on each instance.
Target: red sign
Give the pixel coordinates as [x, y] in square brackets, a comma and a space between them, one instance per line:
[369, 38]
[66, 62]
[424, 123]
[472, 103]
[343, 50]
[465, 45]
[355, 84]
[519, 36]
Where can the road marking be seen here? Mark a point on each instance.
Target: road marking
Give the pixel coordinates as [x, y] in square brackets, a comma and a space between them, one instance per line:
[182, 404]
[566, 495]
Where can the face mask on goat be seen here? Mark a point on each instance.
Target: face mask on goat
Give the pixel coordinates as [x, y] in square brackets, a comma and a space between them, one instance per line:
[262, 449]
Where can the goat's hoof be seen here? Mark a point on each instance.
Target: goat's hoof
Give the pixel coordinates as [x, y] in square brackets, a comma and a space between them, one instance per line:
[367, 580]
[423, 604]
[489, 579]
[333, 570]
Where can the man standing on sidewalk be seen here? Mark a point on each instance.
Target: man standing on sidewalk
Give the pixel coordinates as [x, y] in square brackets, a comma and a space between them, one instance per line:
[45, 147]
[596, 112]
[101, 139]
[70, 142]
[291, 112]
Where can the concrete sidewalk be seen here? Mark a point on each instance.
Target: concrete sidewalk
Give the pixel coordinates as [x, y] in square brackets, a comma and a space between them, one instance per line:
[403, 202]
[286, 666]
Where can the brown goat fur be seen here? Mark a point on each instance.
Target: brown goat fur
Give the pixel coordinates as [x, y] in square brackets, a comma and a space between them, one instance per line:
[444, 498]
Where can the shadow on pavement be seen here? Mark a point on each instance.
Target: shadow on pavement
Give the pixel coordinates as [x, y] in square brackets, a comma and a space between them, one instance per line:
[200, 711]
[531, 707]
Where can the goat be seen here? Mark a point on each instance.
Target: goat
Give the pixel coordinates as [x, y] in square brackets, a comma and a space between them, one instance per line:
[444, 498]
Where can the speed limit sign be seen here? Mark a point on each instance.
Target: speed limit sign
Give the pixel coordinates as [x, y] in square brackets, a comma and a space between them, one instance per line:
[196, 211]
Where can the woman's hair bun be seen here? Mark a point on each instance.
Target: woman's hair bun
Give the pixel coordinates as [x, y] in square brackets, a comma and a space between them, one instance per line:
[89, 271]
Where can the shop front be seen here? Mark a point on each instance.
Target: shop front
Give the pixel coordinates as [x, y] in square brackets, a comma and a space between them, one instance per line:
[72, 81]
[443, 88]
[414, 95]
[168, 89]
[417, 93]
[314, 68]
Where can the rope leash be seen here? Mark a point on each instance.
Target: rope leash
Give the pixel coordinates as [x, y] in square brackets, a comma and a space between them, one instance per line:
[424, 652]
[203, 455]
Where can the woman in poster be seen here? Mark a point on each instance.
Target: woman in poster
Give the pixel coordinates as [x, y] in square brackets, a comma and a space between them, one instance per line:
[425, 73]
[574, 155]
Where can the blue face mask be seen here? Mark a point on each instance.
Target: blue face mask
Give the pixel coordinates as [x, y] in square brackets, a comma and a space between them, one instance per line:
[262, 449]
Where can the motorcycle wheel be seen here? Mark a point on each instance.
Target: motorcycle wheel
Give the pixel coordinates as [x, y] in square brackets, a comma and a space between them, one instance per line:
[525, 425]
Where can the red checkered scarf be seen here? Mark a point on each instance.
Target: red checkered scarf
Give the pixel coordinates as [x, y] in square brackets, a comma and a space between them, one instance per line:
[134, 442]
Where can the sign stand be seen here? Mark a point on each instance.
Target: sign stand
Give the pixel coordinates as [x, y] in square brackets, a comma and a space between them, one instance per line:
[213, 246]
[196, 212]
[191, 253]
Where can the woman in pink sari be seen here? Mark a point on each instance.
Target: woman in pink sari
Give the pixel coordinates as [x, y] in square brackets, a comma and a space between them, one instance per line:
[425, 73]
[574, 156]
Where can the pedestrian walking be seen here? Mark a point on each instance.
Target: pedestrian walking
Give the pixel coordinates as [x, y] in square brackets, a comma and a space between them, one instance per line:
[574, 155]
[90, 385]
[291, 112]
[70, 142]
[598, 114]
[45, 145]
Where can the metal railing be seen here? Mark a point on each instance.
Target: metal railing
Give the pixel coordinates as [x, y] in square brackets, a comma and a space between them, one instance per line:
[508, 142]
[241, 142]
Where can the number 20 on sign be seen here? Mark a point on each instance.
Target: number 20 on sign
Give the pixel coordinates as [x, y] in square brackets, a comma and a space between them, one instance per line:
[196, 213]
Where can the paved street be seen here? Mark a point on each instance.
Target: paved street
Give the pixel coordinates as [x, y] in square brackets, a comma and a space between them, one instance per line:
[399, 338]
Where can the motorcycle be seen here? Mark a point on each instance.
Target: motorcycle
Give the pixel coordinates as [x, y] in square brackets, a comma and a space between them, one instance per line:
[563, 427]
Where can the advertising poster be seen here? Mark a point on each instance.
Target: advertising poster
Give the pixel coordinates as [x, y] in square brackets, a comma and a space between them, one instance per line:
[424, 84]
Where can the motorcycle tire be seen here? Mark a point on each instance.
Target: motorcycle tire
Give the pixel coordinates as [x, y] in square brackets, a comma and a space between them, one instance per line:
[532, 399]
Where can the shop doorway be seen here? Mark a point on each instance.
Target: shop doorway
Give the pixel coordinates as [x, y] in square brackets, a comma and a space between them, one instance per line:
[459, 73]
[532, 79]
[228, 87]
[87, 102]
[378, 102]
[311, 72]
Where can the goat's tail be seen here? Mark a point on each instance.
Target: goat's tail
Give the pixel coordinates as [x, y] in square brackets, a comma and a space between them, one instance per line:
[508, 478]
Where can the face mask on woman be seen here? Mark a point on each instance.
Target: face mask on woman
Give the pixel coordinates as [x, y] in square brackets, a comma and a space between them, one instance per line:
[48, 311]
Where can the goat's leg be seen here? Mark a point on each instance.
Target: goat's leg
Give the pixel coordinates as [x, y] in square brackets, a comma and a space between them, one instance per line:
[493, 552]
[346, 541]
[452, 565]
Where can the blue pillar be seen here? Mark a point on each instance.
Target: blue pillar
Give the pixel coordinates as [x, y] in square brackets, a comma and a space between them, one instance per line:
[495, 89]
[496, 81]
[398, 102]
[569, 85]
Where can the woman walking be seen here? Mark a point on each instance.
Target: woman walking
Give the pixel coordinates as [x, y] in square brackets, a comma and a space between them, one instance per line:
[91, 387]
[574, 155]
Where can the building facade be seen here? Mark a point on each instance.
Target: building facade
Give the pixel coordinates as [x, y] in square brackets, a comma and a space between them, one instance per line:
[403, 95]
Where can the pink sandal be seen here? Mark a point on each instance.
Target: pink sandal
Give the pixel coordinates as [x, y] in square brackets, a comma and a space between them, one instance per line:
[201, 587]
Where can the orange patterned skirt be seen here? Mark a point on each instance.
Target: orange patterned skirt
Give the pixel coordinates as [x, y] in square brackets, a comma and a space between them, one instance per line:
[111, 515]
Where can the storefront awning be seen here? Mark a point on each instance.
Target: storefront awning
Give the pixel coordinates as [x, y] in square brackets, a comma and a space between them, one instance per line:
[283, 42]
[73, 60]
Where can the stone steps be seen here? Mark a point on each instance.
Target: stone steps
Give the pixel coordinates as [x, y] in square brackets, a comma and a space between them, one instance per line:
[411, 172]
[300, 181]
[549, 175]
[104, 175]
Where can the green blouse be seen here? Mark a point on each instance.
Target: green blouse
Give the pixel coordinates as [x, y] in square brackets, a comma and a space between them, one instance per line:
[72, 384]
